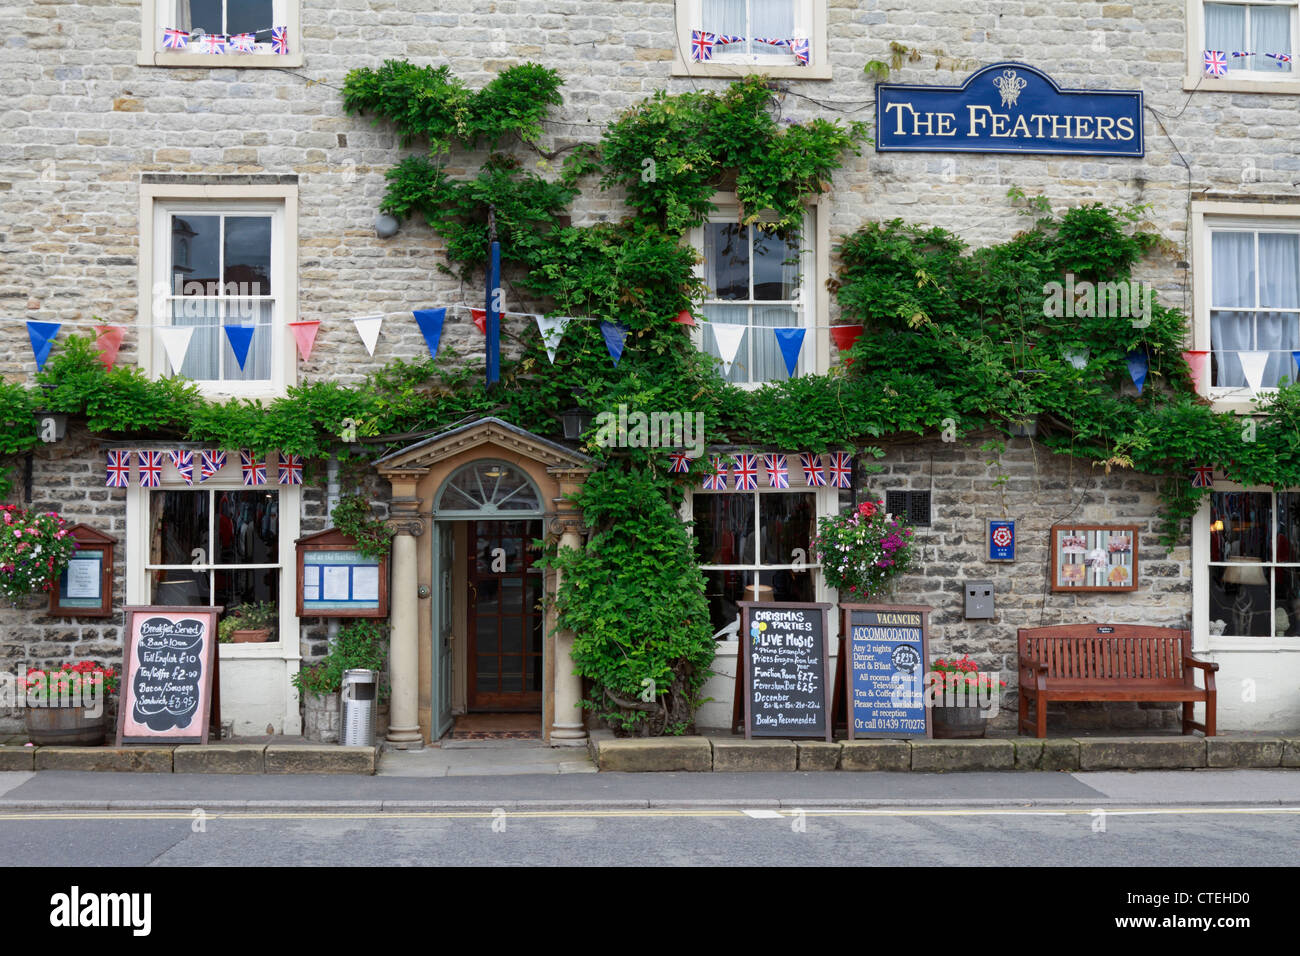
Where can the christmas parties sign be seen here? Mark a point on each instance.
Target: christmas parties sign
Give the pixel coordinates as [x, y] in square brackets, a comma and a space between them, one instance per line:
[1008, 108]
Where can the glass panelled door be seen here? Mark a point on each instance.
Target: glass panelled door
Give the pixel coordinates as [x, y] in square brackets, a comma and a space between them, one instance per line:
[505, 618]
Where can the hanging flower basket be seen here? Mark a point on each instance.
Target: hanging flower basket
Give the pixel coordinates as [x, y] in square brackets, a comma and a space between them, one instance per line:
[862, 550]
[35, 548]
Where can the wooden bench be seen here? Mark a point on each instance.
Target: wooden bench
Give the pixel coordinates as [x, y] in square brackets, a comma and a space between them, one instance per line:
[1111, 662]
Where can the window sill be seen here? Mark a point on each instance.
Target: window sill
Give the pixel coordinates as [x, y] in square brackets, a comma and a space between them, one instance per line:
[1270, 645]
[270, 650]
[1239, 400]
[1207, 84]
[814, 71]
[241, 61]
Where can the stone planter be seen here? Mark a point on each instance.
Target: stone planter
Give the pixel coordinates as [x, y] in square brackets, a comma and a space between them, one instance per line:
[958, 723]
[320, 718]
[65, 726]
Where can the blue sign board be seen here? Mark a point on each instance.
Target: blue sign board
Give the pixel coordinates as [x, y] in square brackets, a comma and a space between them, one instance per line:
[1002, 541]
[1008, 108]
[886, 647]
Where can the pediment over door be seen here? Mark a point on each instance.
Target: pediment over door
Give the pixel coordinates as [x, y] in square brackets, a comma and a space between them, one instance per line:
[488, 434]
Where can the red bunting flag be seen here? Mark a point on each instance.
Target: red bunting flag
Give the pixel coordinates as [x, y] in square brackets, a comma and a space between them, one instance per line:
[480, 319]
[109, 342]
[304, 333]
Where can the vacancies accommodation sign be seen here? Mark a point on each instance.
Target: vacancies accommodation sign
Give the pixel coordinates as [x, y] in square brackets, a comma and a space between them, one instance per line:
[1008, 108]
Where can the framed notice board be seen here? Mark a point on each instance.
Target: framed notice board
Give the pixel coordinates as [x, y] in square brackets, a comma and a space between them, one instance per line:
[1094, 557]
[167, 675]
[786, 685]
[337, 580]
[888, 653]
[85, 589]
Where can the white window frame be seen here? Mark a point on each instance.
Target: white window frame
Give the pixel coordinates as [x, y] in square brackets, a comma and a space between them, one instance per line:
[155, 15]
[1238, 81]
[1206, 217]
[1202, 639]
[813, 296]
[157, 204]
[810, 21]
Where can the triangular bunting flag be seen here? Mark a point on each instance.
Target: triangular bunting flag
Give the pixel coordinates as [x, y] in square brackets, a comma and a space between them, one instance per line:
[615, 336]
[304, 333]
[480, 319]
[1198, 361]
[241, 337]
[1138, 368]
[728, 338]
[1296, 356]
[42, 335]
[109, 342]
[791, 343]
[176, 342]
[430, 322]
[368, 328]
[1252, 364]
[844, 337]
[552, 331]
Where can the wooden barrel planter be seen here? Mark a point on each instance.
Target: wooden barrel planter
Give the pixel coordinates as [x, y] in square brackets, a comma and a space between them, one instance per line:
[958, 723]
[65, 726]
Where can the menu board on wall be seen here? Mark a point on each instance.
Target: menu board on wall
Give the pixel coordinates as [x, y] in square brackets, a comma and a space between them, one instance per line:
[786, 670]
[887, 649]
[337, 580]
[166, 688]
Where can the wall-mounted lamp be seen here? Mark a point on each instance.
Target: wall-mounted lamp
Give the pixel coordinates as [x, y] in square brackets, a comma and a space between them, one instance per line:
[576, 422]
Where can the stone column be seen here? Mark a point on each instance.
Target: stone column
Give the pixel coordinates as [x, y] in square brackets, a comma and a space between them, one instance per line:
[567, 728]
[404, 622]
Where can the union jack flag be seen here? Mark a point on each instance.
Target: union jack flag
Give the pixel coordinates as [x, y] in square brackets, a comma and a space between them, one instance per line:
[254, 470]
[1235, 53]
[726, 39]
[702, 45]
[1280, 57]
[210, 462]
[778, 476]
[280, 40]
[746, 472]
[841, 469]
[773, 41]
[1216, 63]
[183, 462]
[212, 43]
[243, 43]
[679, 464]
[716, 479]
[800, 48]
[1202, 476]
[150, 468]
[813, 475]
[291, 469]
[174, 39]
[119, 469]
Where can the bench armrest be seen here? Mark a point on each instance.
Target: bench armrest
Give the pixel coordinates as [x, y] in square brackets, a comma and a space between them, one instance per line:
[1203, 665]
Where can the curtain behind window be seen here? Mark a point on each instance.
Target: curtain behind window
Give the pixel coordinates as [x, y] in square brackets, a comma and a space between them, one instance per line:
[1270, 32]
[1225, 29]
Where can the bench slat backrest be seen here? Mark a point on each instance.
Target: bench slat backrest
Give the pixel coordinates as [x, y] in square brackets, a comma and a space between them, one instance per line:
[1105, 653]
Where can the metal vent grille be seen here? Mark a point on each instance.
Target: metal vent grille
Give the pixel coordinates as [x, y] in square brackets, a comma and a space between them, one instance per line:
[912, 506]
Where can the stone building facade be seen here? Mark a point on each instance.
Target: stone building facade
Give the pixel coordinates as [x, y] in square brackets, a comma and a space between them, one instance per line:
[110, 136]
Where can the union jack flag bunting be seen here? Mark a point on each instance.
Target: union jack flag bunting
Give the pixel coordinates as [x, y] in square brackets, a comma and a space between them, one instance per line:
[291, 469]
[119, 469]
[280, 40]
[254, 470]
[778, 476]
[212, 43]
[1202, 476]
[746, 472]
[841, 469]
[1235, 53]
[243, 43]
[678, 463]
[1216, 63]
[726, 39]
[210, 462]
[150, 468]
[1280, 57]
[702, 43]
[174, 39]
[773, 41]
[716, 479]
[183, 462]
[801, 50]
[813, 475]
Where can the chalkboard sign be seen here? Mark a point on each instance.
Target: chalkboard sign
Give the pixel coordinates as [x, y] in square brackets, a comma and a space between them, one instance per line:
[887, 651]
[336, 580]
[786, 669]
[166, 689]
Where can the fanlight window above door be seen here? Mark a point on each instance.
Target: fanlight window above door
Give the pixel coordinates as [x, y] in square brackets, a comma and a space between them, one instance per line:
[488, 488]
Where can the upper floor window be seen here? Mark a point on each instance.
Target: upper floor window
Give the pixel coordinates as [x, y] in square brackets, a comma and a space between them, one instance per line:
[220, 33]
[1243, 46]
[1254, 306]
[783, 38]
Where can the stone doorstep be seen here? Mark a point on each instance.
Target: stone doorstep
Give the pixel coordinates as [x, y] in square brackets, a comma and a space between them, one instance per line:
[209, 758]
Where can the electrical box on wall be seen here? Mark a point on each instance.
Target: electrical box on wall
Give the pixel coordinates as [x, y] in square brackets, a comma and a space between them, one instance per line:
[979, 600]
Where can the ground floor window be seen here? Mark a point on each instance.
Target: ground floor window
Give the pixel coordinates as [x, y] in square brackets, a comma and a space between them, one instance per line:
[1254, 563]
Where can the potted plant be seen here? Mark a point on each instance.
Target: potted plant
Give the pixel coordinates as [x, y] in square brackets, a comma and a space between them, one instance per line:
[863, 549]
[962, 698]
[249, 623]
[361, 644]
[35, 548]
[68, 705]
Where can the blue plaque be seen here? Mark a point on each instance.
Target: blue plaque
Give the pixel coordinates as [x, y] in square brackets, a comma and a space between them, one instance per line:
[1008, 108]
[1002, 541]
[886, 650]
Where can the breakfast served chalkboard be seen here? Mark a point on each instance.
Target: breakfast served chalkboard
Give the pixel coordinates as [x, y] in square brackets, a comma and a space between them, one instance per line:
[166, 689]
[887, 649]
[786, 669]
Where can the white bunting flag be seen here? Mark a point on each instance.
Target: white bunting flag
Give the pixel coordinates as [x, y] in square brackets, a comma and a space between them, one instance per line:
[728, 337]
[176, 343]
[1252, 364]
[368, 328]
[552, 330]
